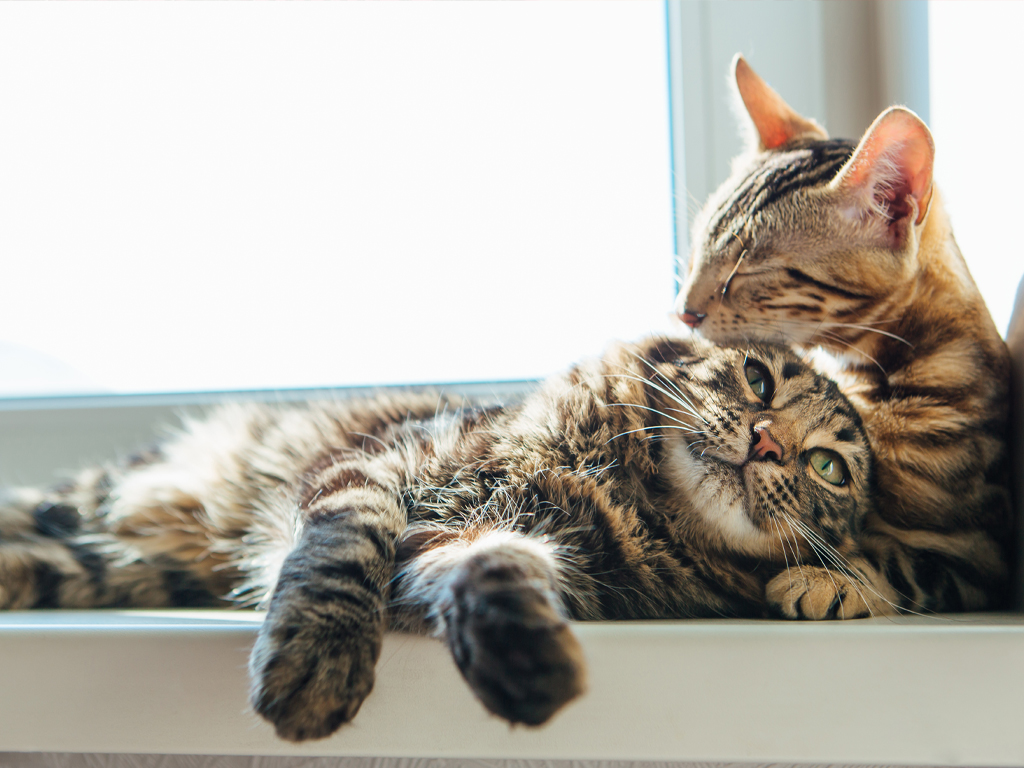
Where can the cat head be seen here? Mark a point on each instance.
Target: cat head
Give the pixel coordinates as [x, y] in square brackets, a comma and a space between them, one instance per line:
[808, 233]
[768, 458]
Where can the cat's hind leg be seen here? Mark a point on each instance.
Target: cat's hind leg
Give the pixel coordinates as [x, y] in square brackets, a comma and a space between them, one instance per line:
[57, 552]
[494, 599]
[37, 567]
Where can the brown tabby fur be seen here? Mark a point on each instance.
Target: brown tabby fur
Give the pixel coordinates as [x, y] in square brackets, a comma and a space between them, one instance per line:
[825, 242]
[652, 483]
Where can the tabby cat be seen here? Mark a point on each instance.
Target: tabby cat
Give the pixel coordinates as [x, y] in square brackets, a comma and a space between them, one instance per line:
[818, 241]
[670, 478]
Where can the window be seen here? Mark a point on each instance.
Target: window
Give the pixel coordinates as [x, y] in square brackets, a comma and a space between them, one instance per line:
[218, 197]
[976, 116]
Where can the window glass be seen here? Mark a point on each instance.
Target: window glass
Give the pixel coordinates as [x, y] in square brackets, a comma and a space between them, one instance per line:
[976, 113]
[223, 196]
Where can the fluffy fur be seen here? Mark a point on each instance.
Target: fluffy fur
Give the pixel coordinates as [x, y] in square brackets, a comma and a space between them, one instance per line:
[846, 245]
[668, 479]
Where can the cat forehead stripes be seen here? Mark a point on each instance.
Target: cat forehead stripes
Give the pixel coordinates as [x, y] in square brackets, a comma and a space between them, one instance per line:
[803, 164]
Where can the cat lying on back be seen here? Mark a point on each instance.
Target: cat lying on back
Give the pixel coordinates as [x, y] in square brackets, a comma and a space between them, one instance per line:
[818, 241]
[668, 479]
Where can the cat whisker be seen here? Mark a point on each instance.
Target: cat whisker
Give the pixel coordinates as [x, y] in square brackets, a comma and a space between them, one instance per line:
[652, 410]
[782, 545]
[858, 351]
[688, 408]
[665, 392]
[870, 330]
[857, 326]
[796, 526]
[693, 205]
[845, 567]
[732, 274]
[671, 385]
[833, 338]
[629, 432]
[791, 534]
[782, 542]
[678, 424]
[817, 553]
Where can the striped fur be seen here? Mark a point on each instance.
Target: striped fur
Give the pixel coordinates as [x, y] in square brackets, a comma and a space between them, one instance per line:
[652, 483]
[846, 245]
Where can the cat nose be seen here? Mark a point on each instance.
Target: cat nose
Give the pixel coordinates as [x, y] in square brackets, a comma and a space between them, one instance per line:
[691, 318]
[764, 446]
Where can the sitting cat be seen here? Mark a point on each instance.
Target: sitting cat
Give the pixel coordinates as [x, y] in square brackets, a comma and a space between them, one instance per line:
[818, 241]
[668, 479]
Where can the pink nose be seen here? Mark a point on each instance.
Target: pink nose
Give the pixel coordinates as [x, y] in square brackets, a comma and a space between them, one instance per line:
[692, 319]
[765, 446]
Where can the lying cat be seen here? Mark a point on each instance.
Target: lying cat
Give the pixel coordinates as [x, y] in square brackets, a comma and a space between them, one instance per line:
[668, 479]
[817, 241]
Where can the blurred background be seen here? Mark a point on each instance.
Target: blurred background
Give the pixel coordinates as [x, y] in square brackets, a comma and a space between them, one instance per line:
[216, 197]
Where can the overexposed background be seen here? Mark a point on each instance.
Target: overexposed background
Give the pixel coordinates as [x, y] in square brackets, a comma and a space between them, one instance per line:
[976, 117]
[216, 197]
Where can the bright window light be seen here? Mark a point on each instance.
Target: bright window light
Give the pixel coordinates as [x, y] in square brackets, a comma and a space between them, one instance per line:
[263, 196]
[976, 114]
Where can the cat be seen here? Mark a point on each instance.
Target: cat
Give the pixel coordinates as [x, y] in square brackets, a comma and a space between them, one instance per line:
[818, 241]
[670, 478]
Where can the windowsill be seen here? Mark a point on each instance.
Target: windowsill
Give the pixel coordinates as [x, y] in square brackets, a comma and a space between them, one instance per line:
[901, 691]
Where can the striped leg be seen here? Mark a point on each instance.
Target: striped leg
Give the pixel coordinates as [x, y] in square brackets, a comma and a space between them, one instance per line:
[495, 602]
[313, 662]
[38, 570]
[52, 556]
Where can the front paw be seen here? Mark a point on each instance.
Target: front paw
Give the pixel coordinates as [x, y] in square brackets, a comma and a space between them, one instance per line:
[518, 655]
[811, 592]
[310, 675]
[815, 593]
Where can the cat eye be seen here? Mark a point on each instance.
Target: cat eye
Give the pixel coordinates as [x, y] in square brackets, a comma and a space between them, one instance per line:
[760, 380]
[828, 465]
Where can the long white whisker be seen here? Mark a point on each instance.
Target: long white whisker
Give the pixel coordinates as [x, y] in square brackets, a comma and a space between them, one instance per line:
[870, 330]
[652, 410]
[849, 570]
[837, 561]
[675, 387]
[789, 574]
[660, 389]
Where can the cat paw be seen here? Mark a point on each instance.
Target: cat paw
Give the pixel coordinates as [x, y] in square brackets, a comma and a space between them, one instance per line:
[810, 592]
[310, 676]
[513, 648]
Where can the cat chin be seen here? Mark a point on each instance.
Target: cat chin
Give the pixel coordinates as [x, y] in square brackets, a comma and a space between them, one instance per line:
[716, 494]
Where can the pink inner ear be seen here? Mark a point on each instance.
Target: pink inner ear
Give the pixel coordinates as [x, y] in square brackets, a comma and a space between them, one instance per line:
[894, 163]
[895, 199]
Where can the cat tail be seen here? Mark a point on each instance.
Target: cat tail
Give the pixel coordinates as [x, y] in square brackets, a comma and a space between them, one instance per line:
[57, 551]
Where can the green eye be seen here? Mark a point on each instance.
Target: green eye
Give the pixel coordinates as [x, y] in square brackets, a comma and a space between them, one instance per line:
[829, 466]
[759, 380]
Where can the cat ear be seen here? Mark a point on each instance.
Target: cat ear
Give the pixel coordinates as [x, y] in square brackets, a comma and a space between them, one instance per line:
[774, 119]
[890, 173]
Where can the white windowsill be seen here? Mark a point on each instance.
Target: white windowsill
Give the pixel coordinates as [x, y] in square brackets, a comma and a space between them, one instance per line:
[903, 691]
